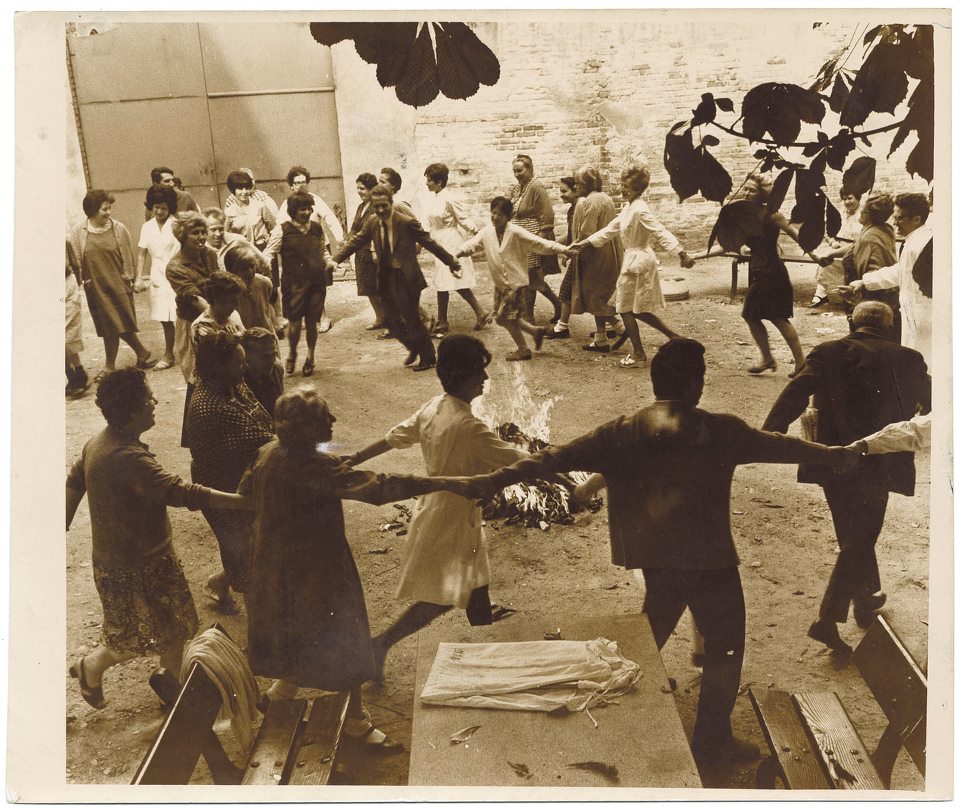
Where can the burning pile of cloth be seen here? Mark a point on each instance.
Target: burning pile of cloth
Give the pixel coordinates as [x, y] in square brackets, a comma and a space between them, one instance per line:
[538, 503]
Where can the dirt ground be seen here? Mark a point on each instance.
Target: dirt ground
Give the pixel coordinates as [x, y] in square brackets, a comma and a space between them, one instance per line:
[783, 530]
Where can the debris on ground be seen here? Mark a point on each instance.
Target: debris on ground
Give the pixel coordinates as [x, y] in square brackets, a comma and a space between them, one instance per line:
[605, 770]
[464, 734]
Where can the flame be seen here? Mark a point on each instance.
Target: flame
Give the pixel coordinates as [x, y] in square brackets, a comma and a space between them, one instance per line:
[515, 403]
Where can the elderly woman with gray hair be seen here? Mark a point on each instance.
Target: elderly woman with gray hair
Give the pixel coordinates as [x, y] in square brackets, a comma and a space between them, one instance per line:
[596, 268]
[307, 617]
[638, 295]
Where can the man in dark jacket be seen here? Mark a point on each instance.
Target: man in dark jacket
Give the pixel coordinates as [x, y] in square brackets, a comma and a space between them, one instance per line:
[859, 384]
[668, 470]
[395, 236]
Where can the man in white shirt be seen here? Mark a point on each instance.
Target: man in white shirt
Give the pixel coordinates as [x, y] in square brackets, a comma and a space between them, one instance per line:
[298, 179]
[912, 273]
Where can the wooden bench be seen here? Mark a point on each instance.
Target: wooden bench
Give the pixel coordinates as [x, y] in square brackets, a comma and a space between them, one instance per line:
[813, 744]
[297, 742]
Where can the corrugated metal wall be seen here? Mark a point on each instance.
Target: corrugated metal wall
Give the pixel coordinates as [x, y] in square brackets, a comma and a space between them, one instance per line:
[205, 99]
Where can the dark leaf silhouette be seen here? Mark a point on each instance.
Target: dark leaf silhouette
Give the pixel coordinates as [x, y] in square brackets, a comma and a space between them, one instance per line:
[710, 140]
[405, 58]
[520, 769]
[715, 182]
[780, 188]
[880, 85]
[780, 109]
[919, 119]
[477, 60]
[839, 148]
[725, 104]
[681, 160]
[418, 83]
[811, 232]
[839, 94]
[860, 175]
[919, 63]
[735, 222]
[833, 219]
[811, 149]
[706, 110]
[873, 33]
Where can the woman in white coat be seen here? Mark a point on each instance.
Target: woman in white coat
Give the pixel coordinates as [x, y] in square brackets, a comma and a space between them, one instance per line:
[445, 562]
[638, 294]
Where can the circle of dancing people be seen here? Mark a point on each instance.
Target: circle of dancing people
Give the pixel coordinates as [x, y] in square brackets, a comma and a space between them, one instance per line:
[225, 285]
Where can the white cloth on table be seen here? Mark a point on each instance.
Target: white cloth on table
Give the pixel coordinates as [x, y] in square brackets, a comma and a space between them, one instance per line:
[162, 245]
[638, 285]
[445, 217]
[445, 556]
[540, 676]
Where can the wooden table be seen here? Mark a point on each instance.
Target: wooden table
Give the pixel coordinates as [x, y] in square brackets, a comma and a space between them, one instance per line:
[641, 736]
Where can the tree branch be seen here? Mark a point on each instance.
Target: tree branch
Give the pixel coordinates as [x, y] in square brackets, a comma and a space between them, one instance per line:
[771, 142]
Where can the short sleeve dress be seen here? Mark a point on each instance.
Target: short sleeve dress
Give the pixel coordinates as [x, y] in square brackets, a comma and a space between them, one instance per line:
[770, 294]
[445, 217]
[162, 246]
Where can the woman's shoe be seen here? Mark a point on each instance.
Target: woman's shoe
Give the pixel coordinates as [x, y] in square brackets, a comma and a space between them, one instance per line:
[483, 321]
[817, 302]
[364, 732]
[291, 364]
[557, 333]
[163, 364]
[148, 363]
[762, 367]
[520, 354]
[440, 329]
[92, 695]
[796, 370]
[595, 347]
[631, 362]
[308, 367]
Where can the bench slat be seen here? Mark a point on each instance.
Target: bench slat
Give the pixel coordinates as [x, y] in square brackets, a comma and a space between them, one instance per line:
[788, 740]
[899, 687]
[321, 738]
[184, 734]
[841, 749]
[272, 759]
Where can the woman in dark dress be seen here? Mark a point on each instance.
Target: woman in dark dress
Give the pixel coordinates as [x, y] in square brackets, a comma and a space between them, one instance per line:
[307, 618]
[364, 263]
[770, 294]
[103, 249]
[225, 426]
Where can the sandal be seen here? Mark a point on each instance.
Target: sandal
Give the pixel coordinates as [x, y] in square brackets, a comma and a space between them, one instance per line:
[149, 363]
[595, 347]
[163, 364]
[308, 367]
[92, 695]
[364, 732]
[631, 361]
[291, 364]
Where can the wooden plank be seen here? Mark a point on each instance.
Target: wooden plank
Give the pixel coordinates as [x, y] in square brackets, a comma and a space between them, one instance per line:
[176, 750]
[841, 749]
[789, 741]
[898, 685]
[321, 739]
[273, 751]
[641, 735]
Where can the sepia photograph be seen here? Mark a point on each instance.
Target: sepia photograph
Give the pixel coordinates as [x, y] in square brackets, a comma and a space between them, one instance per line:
[490, 405]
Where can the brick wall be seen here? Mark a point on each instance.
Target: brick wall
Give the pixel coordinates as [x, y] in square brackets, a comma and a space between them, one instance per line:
[602, 94]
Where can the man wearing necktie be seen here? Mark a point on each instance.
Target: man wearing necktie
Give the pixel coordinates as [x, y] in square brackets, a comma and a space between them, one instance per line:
[395, 236]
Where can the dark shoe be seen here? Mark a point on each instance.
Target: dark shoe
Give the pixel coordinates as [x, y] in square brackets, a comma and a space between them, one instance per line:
[593, 347]
[429, 363]
[729, 750]
[611, 333]
[308, 367]
[818, 301]
[538, 337]
[865, 610]
[367, 735]
[166, 686]
[519, 354]
[291, 364]
[411, 358]
[762, 367]
[386, 335]
[555, 333]
[92, 695]
[826, 632]
[440, 329]
[149, 363]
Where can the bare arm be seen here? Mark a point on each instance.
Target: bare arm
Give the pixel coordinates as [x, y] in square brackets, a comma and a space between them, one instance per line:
[74, 497]
[791, 232]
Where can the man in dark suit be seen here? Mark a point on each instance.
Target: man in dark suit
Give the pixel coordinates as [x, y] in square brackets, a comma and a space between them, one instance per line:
[395, 237]
[668, 470]
[859, 384]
